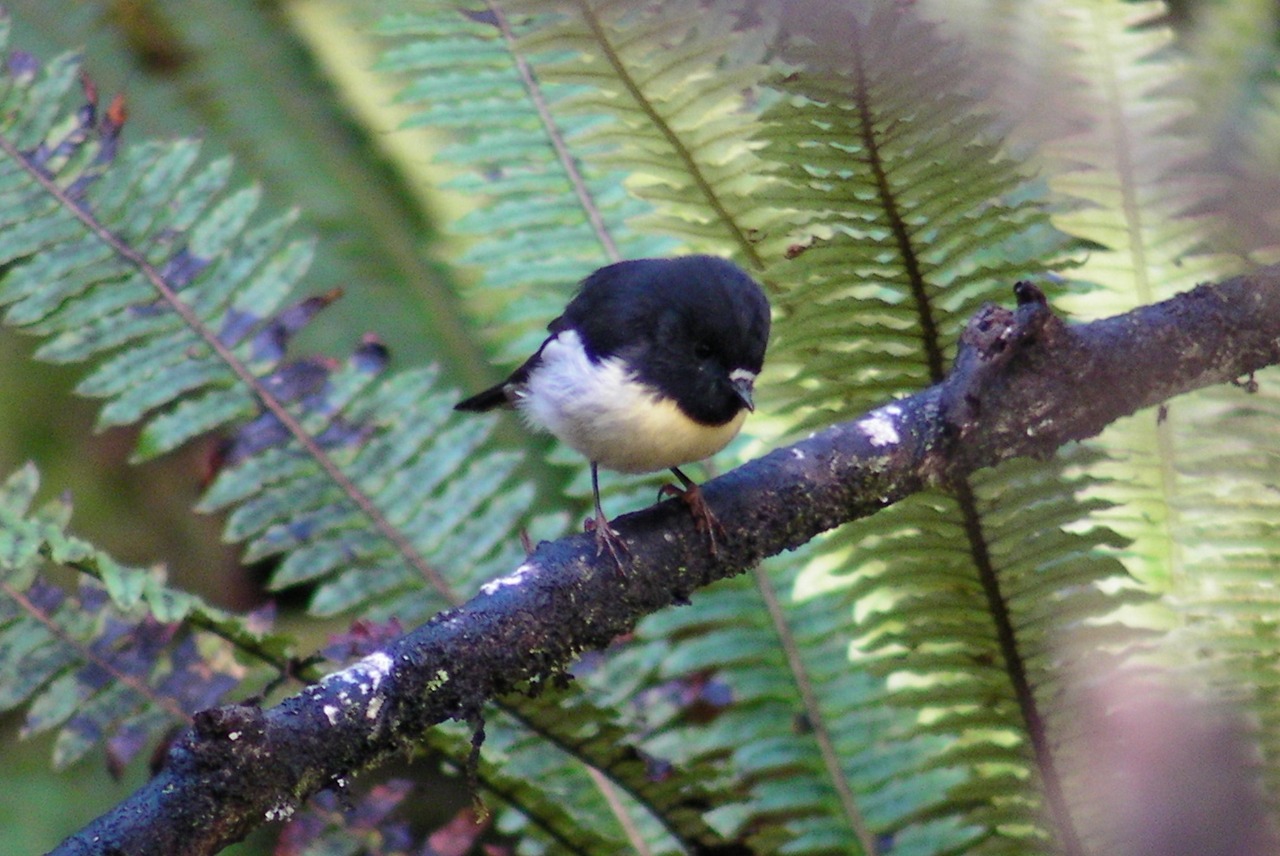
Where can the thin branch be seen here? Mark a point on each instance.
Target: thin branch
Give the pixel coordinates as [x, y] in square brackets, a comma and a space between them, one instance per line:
[1024, 383]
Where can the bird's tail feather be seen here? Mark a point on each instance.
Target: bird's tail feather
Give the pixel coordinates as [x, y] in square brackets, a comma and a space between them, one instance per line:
[494, 396]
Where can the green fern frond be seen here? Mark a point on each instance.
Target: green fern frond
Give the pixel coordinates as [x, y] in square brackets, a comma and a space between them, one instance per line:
[925, 626]
[121, 659]
[675, 82]
[712, 686]
[531, 765]
[534, 237]
[138, 258]
[1205, 539]
[1142, 205]
[905, 217]
[909, 218]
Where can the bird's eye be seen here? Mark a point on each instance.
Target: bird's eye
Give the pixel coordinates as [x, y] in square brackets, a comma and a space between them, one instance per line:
[702, 350]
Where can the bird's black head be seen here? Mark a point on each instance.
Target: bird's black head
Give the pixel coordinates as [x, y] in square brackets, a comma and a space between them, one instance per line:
[695, 328]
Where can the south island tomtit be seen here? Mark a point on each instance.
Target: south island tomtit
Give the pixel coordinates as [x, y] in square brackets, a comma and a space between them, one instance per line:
[652, 365]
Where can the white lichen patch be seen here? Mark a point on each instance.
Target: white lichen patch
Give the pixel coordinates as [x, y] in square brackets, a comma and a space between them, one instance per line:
[375, 706]
[365, 675]
[512, 579]
[331, 713]
[880, 427]
[280, 812]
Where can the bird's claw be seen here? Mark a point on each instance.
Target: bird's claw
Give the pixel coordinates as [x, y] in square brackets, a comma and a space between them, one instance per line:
[704, 520]
[607, 538]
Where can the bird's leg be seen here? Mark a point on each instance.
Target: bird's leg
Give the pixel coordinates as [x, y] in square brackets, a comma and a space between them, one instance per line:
[703, 519]
[607, 538]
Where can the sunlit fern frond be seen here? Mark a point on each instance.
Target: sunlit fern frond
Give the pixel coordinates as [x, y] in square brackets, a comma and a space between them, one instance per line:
[905, 219]
[677, 81]
[1128, 164]
[1194, 483]
[542, 219]
[505, 85]
[909, 218]
[118, 660]
[818, 760]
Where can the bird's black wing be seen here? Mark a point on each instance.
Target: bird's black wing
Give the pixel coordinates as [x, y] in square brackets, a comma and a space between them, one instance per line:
[502, 394]
[494, 396]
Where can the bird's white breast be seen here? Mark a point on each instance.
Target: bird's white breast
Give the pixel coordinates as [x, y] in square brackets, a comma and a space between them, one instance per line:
[604, 412]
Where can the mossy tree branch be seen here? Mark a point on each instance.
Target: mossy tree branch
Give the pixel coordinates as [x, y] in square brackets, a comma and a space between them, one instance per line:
[1024, 383]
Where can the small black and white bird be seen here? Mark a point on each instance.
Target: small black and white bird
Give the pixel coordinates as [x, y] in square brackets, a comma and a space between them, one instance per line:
[651, 366]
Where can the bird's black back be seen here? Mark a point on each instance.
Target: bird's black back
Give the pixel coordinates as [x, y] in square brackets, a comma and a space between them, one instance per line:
[683, 324]
[625, 302]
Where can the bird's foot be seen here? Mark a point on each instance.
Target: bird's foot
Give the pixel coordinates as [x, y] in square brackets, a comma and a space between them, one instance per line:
[703, 519]
[607, 538]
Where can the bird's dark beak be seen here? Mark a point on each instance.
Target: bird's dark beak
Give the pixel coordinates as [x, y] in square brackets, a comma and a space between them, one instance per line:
[744, 386]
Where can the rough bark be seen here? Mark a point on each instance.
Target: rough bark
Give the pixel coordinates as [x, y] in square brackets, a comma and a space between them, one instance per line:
[1024, 383]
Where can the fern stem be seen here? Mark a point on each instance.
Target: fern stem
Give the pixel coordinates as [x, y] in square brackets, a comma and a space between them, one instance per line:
[1015, 665]
[567, 161]
[813, 711]
[668, 133]
[1016, 669]
[889, 203]
[241, 371]
[604, 784]
[87, 654]
[610, 792]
